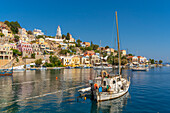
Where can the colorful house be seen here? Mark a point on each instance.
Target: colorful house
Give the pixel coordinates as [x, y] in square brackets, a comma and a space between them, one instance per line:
[109, 51]
[87, 44]
[25, 48]
[75, 61]
[66, 61]
[37, 32]
[6, 54]
[89, 53]
[123, 52]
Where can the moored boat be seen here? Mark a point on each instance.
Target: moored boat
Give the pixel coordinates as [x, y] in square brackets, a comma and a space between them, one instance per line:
[6, 72]
[106, 87]
[140, 69]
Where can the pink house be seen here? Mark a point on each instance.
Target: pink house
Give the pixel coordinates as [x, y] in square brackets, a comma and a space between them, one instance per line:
[25, 48]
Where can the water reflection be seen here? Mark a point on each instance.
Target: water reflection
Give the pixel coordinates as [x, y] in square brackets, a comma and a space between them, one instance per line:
[30, 90]
[111, 106]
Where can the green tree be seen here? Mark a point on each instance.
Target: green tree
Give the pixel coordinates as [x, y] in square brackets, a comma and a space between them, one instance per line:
[30, 32]
[13, 26]
[68, 36]
[39, 36]
[110, 59]
[38, 62]
[1, 35]
[63, 36]
[124, 61]
[33, 55]
[106, 47]
[54, 60]
[78, 45]
[156, 61]
[160, 61]
[78, 41]
[16, 52]
[130, 55]
[152, 61]
[95, 47]
[16, 38]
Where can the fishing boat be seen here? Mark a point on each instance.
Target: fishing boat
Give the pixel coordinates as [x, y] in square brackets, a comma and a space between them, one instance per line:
[32, 69]
[6, 72]
[106, 87]
[69, 67]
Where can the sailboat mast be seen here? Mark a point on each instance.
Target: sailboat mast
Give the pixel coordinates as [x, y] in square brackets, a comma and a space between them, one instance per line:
[118, 44]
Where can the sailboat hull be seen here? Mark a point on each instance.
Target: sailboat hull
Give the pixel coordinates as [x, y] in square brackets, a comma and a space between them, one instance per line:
[104, 96]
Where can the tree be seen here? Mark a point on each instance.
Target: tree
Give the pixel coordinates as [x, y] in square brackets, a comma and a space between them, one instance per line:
[16, 52]
[110, 59]
[116, 61]
[156, 61]
[95, 47]
[152, 61]
[78, 41]
[39, 36]
[13, 26]
[106, 47]
[33, 55]
[68, 36]
[1, 35]
[160, 61]
[124, 61]
[130, 55]
[38, 62]
[30, 32]
[16, 38]
[63, 36]
[54, 60]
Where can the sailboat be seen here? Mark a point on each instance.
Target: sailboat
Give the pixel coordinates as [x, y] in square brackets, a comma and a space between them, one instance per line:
[105, 87]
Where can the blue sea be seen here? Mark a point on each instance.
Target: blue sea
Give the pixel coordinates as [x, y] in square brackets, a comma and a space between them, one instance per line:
[41, 91]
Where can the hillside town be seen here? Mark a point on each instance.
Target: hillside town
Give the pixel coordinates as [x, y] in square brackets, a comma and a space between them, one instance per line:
[22, 47]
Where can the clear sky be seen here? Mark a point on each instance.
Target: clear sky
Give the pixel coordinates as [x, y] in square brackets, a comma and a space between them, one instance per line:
[144, 25]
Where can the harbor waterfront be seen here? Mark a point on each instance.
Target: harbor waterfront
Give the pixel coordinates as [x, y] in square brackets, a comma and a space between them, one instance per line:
[57, 91]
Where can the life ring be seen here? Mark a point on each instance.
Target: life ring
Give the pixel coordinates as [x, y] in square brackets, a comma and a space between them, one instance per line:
[104, 73]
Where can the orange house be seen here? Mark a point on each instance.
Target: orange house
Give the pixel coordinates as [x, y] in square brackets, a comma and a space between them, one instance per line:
[89, 53]
[87, 44]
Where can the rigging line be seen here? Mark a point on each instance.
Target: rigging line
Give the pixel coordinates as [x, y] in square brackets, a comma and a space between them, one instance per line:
[43, 95]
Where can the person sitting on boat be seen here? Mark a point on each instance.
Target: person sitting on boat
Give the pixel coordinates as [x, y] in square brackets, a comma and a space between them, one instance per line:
[100, 89]
[108, 88]
[96, 86]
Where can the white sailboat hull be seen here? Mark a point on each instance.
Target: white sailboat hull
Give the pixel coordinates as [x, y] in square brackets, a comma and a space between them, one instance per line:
[103, 96]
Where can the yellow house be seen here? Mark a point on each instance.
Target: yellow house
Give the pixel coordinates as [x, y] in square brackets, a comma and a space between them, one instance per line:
[41, 41]
[75, 61]
[10, 34]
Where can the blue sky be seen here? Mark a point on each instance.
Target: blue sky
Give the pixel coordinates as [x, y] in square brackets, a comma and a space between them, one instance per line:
[144, 25]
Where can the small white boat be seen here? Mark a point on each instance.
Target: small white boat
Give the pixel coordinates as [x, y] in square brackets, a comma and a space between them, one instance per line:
[19, 70]
[140, 69]
[102, 67]
[43, 68]
[85, 91]
[56, 68]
